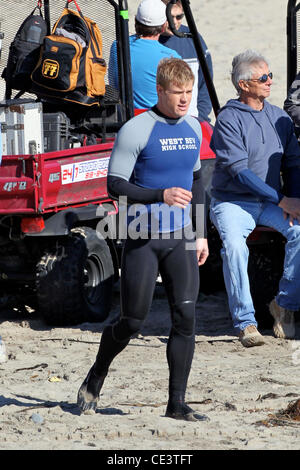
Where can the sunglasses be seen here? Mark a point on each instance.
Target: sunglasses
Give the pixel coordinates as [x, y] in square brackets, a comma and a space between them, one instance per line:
[178, 17]
[263, 78]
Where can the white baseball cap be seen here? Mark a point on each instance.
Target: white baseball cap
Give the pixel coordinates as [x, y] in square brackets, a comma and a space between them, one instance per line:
[151, 13]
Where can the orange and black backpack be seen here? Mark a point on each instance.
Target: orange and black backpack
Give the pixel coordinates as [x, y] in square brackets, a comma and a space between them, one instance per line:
[71, 66]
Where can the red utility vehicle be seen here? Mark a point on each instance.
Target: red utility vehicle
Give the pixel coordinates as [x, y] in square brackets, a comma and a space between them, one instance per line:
[48, 214]
[54, 251]
[51, 241]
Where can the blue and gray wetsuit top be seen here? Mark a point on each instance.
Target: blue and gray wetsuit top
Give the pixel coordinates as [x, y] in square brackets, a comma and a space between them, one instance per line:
[152, 153]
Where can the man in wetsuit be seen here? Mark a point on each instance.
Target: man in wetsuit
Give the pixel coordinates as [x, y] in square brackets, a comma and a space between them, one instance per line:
[155, 162]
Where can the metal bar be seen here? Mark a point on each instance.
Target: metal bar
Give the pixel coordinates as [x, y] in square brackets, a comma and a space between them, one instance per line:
[124, 62]
[47, 15]
[124, 22]
[291, 32]
[120, 60]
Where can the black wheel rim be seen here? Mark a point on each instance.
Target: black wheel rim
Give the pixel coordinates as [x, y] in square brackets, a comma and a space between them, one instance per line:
[93, 280]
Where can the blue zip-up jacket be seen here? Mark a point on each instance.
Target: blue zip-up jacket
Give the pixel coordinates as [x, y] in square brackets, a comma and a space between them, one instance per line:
[252, 147]
[185, 47]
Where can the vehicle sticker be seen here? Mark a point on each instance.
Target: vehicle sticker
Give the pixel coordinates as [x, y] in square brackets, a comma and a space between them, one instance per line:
[83, 171]
[12, 185]
[54, 177]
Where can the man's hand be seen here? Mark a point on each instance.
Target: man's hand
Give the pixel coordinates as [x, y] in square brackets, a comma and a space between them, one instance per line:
[177, 197]
[291, 208]
[201, 250]
[290, 217]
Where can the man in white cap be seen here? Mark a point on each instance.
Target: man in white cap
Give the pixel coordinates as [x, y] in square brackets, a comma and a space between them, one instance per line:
[145, 52]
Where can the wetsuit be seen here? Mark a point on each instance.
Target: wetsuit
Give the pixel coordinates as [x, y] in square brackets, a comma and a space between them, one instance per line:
[153, 152]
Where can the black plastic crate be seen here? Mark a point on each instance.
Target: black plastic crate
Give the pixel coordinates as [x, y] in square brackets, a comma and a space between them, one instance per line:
[56, 131]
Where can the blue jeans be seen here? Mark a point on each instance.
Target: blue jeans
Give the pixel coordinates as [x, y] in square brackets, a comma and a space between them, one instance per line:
[234, 221]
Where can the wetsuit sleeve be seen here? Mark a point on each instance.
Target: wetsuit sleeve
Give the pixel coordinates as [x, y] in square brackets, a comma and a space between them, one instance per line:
[130, 141]
[199, 199]
[256, 186]
[135, 194]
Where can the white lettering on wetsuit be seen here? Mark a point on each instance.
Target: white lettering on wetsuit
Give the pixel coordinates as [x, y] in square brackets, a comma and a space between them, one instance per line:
[179, 143]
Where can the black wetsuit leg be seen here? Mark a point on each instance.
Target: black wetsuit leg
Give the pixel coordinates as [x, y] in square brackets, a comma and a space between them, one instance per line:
[141, 261]
[180, 275]
[139, 270]
[178, 267]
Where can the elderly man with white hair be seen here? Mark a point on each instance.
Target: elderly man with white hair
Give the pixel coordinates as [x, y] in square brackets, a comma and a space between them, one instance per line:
[253, 140]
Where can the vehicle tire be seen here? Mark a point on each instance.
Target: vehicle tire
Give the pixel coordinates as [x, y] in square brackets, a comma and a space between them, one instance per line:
[265, 270]
[75, 280]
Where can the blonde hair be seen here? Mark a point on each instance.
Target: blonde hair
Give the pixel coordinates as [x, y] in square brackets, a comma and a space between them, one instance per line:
[173, 70]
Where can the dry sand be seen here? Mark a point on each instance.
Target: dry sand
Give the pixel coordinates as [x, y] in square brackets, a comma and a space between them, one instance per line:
[240, 390]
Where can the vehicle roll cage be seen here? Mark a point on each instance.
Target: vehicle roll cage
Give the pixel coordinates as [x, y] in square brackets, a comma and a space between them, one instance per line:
[122, 29]
[293, 9]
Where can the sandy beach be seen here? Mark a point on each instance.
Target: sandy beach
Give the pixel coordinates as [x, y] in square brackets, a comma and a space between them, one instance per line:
[245, 393]
[242, 391]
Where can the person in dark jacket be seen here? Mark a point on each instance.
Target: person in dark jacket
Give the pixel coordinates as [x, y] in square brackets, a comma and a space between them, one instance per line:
[201, 104]
[253, 140]
[292, 104]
